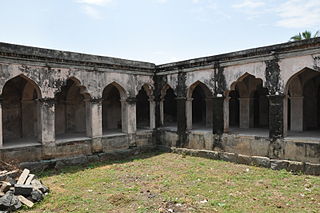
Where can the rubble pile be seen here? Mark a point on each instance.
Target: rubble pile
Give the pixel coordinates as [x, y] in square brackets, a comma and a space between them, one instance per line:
[19, 188]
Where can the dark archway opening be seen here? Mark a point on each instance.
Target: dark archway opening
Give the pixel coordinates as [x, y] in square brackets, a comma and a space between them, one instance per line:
[311, 98]
[234, 108]
[20, 111]
[249, 107]
[70, 111]
[111, 110]
[170, 108]
[198, 107]
[143, 110]
[261, 108]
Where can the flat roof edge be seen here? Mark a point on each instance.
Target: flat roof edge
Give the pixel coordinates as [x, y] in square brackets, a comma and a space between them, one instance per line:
[60, 56]
[264, 50]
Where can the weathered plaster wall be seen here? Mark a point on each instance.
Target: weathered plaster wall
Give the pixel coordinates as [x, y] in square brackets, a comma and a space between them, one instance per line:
[48, 71]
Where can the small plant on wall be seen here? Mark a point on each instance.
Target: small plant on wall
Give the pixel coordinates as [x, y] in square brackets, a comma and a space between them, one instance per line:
[304, 35]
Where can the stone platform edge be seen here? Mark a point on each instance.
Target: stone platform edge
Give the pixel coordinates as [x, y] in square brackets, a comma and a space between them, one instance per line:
[81, 160]
[295, 167]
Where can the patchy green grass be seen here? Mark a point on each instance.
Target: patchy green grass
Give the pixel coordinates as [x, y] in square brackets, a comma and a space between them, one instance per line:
[160, 182]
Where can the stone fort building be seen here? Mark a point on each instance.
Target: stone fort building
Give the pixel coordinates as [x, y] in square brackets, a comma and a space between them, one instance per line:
[262, 102]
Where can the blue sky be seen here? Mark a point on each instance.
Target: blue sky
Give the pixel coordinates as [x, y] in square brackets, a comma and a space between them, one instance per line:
[158, 31]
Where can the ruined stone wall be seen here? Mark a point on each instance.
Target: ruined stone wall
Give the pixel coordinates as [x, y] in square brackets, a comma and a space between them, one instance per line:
[263, 69]
[265, 81]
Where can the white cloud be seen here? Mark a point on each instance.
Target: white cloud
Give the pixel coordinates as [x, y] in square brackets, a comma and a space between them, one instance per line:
[299, 14]
[92, 12]
[94, 2]
[91, 7]
[162, 1]
[249, 4]
[289, 14]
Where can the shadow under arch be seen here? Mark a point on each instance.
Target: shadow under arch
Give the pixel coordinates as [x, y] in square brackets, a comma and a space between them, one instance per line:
[248, 103]
[20, 115]
[70, 110]
[199, 106]
[113, 107]
[168, 107]
[145, 107]
[302, 101]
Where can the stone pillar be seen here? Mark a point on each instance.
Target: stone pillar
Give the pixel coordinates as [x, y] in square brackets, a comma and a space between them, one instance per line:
[152, 113]
[124, 115]
[218, 117]
[94, 118]
[1, 131]
[246, 113]
[46, 127]
[189, 113]
[296, 118]
[285, 116]
[128, 108]
[161, 103]
[209, 109]
[181, 120]
[276, 127]
[158, 121]
[226, 113]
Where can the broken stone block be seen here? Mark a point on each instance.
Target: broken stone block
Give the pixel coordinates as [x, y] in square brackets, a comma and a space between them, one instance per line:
[312, 169]
[29, 179]
[5, 187]
[11, 174]
[261, 161]
[294, 166]
[278, 164]
[36, 184]
[11, 180]
[25, 201]
[3, 175]
[25, 190]
[23, 177]
[9, 202]
[229, 157]
[36, 195]
[208, 154]
[244, 159]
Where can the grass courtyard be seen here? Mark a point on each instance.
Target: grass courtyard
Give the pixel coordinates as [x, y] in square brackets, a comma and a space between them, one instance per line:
[166, 182]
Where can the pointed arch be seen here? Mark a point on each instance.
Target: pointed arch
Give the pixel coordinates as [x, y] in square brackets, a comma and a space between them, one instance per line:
[198, 106]
[77, 87]
[31, 85]
[248, 102]
[112, 108]
[144, 105]
[20, 109]
[164, 89]
[204, 87]
[302, 92]
[148, 89]
[296, 82]
[70, 109]
[121, 90]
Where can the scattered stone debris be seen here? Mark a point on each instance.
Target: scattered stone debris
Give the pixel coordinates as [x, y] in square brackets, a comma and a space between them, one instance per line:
[20, 188]
[171, 206]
